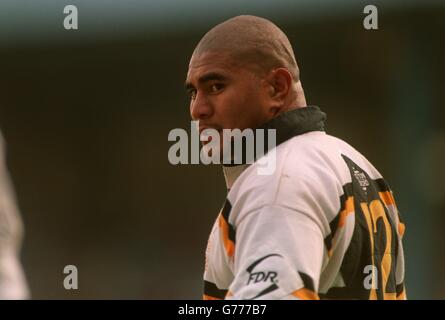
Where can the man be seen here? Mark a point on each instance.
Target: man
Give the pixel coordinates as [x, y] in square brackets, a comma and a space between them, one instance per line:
[324, 224]
[12, 280]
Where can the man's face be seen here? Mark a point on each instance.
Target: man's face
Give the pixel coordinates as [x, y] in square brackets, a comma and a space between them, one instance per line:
[225, 96]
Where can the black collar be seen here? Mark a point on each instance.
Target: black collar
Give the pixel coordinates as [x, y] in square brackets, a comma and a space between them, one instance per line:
[290, 124]
[296, 122]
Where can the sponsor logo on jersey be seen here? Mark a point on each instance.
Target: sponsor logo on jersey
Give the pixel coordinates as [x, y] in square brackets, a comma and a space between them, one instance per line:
[268, 276]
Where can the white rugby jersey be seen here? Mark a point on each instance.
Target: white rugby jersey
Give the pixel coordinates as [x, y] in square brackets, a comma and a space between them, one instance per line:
[323, 225]
[12, 280]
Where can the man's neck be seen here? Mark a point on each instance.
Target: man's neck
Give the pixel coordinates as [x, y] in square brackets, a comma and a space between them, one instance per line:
[286, 126]
[231, 173]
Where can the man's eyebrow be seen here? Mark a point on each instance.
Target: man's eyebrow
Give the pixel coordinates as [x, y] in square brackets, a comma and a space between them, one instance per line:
[210, 76]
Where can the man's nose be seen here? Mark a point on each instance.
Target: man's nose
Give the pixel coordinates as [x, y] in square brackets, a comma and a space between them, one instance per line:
[200, 107]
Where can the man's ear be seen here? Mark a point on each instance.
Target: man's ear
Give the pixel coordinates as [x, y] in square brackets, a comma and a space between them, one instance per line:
[281, 83]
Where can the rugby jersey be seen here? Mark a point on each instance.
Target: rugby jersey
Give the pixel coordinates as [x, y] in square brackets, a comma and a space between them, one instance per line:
[323, 225]
[12, 280]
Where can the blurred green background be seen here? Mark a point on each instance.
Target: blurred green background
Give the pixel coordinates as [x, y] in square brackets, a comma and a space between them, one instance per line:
[86, 114]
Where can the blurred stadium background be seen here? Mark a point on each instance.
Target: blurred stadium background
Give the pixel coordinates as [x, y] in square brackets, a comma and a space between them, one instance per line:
[86, 115]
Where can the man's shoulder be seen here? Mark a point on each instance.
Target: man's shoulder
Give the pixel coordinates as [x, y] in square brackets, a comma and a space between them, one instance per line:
[308, 166]
[302, 156]
[305, 159]
[316, 151]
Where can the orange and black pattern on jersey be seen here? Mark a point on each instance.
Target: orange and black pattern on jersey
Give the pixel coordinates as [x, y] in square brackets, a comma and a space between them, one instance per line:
[308, 292]
[227, 230]
[228, 238]
[212, 292]
[374, 245]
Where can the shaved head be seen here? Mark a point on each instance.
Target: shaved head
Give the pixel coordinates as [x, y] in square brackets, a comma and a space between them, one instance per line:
[252, 42]
[242, 74]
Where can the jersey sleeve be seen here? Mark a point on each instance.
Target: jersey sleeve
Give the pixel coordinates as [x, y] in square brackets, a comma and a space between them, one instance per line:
[279, 255]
